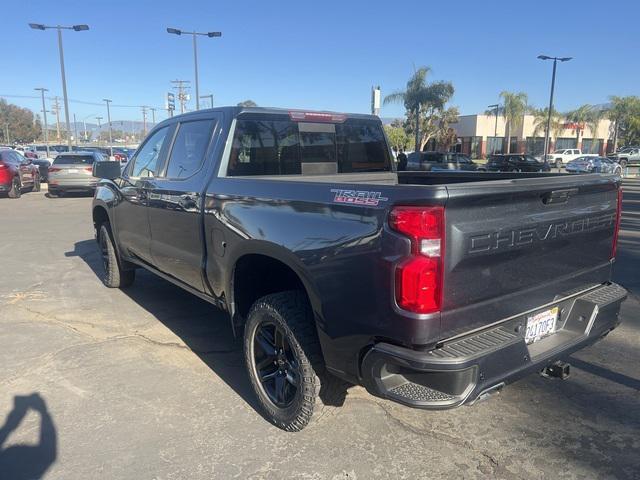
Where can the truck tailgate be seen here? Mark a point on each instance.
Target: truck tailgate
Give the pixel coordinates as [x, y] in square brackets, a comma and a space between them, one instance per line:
[514, 245]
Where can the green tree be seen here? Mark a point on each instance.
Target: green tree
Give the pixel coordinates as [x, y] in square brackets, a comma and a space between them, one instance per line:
[625, 115]
[514, 107]
[20, 123]
[579, 117]
[248, 103]
[540, 116]
[424, 103]
[398, 138]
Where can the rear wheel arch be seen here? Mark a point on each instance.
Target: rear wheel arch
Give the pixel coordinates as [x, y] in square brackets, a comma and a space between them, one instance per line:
[261, 271]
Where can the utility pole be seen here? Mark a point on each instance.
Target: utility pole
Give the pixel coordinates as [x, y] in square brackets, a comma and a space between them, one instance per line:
[153, 115]
[181, 86]
[99, 128]
[107, 101]
[44, 114]
[6, 133]
[144, 121]
[56, 106]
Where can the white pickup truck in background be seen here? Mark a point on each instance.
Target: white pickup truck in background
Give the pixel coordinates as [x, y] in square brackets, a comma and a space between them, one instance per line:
[560, 157]
[626, 156]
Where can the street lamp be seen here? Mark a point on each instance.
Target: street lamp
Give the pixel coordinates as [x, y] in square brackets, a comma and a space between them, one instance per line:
[210, 97]
[553, 83]
[107, 101]
[44, 113]
[76, 28]
[176, 31]
[495, 130]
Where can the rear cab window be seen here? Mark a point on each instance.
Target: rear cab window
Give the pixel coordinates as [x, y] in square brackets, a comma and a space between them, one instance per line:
[274, 144]
[63, 159]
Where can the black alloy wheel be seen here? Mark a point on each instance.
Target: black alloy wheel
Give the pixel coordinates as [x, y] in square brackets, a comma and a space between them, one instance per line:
[276, 365]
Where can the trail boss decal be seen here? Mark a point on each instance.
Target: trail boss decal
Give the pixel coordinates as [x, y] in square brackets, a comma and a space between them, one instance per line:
[358, 197]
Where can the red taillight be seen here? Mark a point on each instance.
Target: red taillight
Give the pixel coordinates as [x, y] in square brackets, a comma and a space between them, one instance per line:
[419, 278]
[54, 169]
[4, 173]
[616, 227]
[88, 169]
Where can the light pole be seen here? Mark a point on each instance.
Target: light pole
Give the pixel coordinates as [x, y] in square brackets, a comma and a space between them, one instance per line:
[495, 130]
[210, 97]
[44, 114]
[76, 28]
[99, 128]
[107, 101]
[553, 84]
[75, 129]
[177, 31]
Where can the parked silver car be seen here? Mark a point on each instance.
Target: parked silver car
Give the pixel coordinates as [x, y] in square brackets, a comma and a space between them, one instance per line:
[72, 172]
[593, 165]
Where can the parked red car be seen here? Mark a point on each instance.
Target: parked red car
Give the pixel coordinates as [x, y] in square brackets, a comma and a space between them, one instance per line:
[17, 173]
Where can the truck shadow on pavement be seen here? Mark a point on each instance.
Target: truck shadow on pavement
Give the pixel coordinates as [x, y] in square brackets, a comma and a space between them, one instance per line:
[19, 462]
[203, 328]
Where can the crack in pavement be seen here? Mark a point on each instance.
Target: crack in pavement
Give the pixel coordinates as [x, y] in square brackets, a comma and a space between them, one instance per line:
[494, 464]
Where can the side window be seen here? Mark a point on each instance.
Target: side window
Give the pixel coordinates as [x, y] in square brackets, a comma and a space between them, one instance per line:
[146, 159]
[189, 148]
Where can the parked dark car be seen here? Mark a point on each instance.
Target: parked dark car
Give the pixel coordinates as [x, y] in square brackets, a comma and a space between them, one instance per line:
[516, 162]
[434, 161]
[431, 289]
[593, 165]
[17, 173]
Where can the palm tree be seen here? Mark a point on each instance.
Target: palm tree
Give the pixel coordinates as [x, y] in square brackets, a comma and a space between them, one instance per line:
[540, 116]
[593, 122]
[514, 109]
[579, 117]
[421, 95]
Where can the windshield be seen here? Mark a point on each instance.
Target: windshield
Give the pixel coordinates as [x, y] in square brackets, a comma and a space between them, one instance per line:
[73, 160]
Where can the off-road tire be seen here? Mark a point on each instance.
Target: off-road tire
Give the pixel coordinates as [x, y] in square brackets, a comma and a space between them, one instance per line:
[623, 163]
[16, 188]
[114, 276]
[291, 313]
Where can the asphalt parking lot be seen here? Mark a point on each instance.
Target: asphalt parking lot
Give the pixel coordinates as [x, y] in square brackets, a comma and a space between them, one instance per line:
[150, 384]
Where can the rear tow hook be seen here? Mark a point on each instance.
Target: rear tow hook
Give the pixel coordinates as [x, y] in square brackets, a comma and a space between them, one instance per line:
[559, 370]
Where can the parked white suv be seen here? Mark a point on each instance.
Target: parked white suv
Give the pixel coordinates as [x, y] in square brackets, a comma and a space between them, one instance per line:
[559, 157]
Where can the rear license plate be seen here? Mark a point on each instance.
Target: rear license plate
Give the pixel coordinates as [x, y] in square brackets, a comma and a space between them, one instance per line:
[73, 170]
[540, 325]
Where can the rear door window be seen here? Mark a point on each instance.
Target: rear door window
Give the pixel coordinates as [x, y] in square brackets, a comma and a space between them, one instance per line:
[73, 160]
[275, 145]
[189, 147]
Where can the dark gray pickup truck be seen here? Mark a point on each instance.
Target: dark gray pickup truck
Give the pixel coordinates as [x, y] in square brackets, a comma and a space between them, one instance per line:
[432, 289]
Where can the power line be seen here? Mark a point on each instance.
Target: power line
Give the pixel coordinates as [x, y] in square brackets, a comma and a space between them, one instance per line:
[82, 102]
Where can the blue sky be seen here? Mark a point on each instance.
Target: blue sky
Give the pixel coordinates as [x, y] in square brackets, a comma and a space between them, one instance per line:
[321, 55]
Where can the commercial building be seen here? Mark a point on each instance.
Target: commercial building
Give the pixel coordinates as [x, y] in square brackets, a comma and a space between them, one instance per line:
[482, 135]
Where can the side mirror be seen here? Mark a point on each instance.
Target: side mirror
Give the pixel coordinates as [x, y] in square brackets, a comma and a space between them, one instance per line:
[107, 169]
